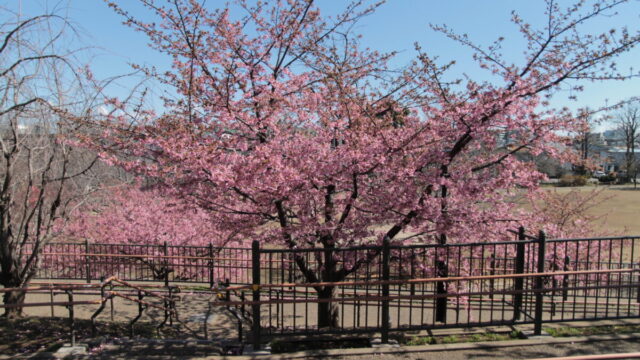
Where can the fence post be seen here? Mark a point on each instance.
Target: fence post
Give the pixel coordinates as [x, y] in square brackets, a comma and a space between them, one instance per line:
[72, 320]
[172, 307]
[255, 264]
[166, 264]
[441, 287]
[519, 282]
[412, 287]
[51, 297]
[492, 272]
[565, 279]
[86, 260]
[385, 291]
[539, 287]
[111, 299]
[638, 295]
[210, 265]
[291, 270]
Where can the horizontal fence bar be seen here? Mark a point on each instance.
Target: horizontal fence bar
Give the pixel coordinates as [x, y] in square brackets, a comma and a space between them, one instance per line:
[82, 244]
[437, 279]
[395, 247]
[62, 288]
[54, 303]
[155, 256]
[360, 298]
[604, 238]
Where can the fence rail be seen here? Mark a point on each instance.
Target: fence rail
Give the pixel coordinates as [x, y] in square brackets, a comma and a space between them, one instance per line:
[387, 287]
[105, 295]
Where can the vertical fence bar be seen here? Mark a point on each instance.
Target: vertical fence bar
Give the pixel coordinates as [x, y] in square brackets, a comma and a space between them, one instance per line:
[51, 297]
[441, 287]
[72, 320]
[385, 292]
[537, 329]
[210, 265]
[255, 264]
[638, 294]
[492, 271]
[86, 260]
[111, 299]
[166, 264]
[413, 272]
[634, 263]
[565, 279]
[519, 282]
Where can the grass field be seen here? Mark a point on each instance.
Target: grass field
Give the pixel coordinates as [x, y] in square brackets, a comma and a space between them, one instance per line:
[622, 207]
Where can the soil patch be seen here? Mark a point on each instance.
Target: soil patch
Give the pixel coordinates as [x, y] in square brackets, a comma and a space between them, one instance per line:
[621, 208]
[284, 346]
[35, 334]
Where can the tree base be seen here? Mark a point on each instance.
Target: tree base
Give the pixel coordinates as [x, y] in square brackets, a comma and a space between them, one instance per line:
[328, 312]
[13, 298]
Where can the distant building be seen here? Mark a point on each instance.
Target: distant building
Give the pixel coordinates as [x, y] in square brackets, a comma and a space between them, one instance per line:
[613, 159]
[606, 150]
[613, 137]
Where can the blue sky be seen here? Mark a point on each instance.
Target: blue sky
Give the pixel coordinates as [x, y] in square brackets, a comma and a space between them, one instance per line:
[395, 26]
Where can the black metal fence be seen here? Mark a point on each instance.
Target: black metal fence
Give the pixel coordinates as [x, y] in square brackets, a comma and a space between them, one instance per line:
[386, 288]
[529, 280]
[168, 263]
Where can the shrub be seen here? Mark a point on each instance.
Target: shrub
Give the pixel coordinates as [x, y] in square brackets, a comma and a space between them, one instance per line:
[607, 179]
[421, 340]
[573, 180]
[623, 179]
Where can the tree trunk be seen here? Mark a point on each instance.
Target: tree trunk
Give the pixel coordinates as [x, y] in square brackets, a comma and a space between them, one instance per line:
[10, 277]
[15, 297]
[327, 311]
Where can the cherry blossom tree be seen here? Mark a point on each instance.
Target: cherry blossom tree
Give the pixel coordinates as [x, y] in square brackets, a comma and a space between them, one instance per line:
[287, 129]
[132, 215]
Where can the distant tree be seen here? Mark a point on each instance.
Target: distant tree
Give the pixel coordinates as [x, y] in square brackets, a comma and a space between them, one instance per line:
[41, 177]
[586, 140]
[628, 123]
[583, 139]
[129, 214]
[549, 166]
[569, 214]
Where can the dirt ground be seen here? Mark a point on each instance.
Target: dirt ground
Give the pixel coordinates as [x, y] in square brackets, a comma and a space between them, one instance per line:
[197, 320]
[622, 207]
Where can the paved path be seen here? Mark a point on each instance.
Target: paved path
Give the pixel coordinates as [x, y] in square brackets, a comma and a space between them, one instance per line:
[165, 352]
[518, 352]
[194, 310]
